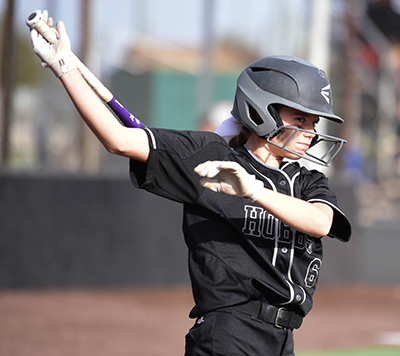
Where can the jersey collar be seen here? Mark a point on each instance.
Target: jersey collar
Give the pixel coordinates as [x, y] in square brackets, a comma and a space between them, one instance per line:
[287, 166]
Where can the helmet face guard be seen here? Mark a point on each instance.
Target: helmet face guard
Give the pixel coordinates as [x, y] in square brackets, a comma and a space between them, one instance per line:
[331, 147]
[291, 82]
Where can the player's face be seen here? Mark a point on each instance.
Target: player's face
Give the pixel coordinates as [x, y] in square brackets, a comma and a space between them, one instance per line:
[299, 141]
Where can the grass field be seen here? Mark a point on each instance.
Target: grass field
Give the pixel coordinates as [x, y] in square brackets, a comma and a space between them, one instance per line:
[383, 351]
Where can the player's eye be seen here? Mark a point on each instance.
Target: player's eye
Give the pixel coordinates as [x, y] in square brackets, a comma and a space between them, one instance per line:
[305, 123]
[300, 121]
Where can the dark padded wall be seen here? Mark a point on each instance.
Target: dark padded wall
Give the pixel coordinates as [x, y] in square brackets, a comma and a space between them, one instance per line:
[87, 231]
[93, 231]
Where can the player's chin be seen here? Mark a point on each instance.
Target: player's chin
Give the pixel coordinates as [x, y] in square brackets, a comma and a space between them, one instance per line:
[300, 151]
[295, 155]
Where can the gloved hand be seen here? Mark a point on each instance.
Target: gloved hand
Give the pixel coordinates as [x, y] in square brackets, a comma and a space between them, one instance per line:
[49, 21]
[57, 56]
[229, 178]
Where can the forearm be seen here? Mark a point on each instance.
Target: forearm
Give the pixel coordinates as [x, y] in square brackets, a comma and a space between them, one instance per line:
[91, 109]
[116, 138]
[230, 178]
[312, 219]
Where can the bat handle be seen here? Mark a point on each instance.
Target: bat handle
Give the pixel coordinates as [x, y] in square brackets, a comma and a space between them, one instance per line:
[35, 21]
[125, 116]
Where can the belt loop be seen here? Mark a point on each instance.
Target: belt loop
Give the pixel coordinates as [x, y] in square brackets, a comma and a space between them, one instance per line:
[259, 314]
[263, 314]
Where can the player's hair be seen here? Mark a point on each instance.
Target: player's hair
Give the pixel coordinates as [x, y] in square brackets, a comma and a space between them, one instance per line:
[244, 134]
[241, 138]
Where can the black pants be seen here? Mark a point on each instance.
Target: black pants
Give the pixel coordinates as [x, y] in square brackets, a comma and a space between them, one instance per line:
[232, 333]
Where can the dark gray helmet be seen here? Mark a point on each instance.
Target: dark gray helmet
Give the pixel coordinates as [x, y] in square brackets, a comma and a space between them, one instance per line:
[288, 81]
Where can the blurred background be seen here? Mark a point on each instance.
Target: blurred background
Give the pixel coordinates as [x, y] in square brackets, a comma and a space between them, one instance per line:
[90, 265]
[68, 214]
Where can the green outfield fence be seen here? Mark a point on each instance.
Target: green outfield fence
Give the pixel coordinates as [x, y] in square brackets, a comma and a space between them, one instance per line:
[382, 351]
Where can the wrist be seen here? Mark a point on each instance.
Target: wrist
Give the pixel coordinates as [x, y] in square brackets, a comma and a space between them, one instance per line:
[258, 188]
[64, 65]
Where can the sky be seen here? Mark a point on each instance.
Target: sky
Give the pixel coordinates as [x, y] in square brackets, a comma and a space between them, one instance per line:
[172, 19]
[117, 24]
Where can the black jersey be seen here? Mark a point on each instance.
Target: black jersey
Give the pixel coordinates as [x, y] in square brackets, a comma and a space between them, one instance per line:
[237, 250]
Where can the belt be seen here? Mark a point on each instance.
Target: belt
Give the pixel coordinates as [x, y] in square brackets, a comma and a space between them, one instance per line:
[280, 317]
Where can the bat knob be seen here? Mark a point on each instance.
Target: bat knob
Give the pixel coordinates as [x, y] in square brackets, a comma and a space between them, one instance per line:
[34, 18]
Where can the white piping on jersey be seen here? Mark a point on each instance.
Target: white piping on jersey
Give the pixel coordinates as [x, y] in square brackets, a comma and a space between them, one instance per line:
[290, 273]
[291, 184]
[328, 203]
[277, 222]
[153, 139]
[291, 293]
[334, 207]
[276, 247]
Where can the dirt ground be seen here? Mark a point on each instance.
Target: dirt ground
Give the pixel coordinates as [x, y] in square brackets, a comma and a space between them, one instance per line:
[153, 321]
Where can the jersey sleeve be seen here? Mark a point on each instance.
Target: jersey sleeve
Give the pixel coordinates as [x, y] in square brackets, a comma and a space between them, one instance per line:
[316, 189]
[169, 171]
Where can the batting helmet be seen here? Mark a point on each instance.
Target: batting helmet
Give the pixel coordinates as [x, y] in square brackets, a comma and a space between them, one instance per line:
[288, 81]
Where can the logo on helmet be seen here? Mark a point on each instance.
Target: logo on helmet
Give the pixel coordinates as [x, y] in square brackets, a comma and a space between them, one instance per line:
[322, 74]
[325, 93]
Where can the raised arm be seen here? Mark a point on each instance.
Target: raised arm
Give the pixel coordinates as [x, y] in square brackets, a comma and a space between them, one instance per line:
[314, 219]
[117, 139]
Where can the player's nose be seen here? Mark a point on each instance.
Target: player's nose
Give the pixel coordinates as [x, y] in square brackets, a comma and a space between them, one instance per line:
[309, 133]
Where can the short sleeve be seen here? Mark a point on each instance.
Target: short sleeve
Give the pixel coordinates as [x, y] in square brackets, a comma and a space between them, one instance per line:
[316, 189]
[169, 171]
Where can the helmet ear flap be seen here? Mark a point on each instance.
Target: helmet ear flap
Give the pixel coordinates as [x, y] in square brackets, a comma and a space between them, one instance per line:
[273, 110]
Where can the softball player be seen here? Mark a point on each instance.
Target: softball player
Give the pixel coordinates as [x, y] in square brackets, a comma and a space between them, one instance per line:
[255, 252]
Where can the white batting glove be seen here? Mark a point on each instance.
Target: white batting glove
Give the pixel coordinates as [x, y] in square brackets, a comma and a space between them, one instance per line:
[57, 56]
[229, 178]
[48, 20]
